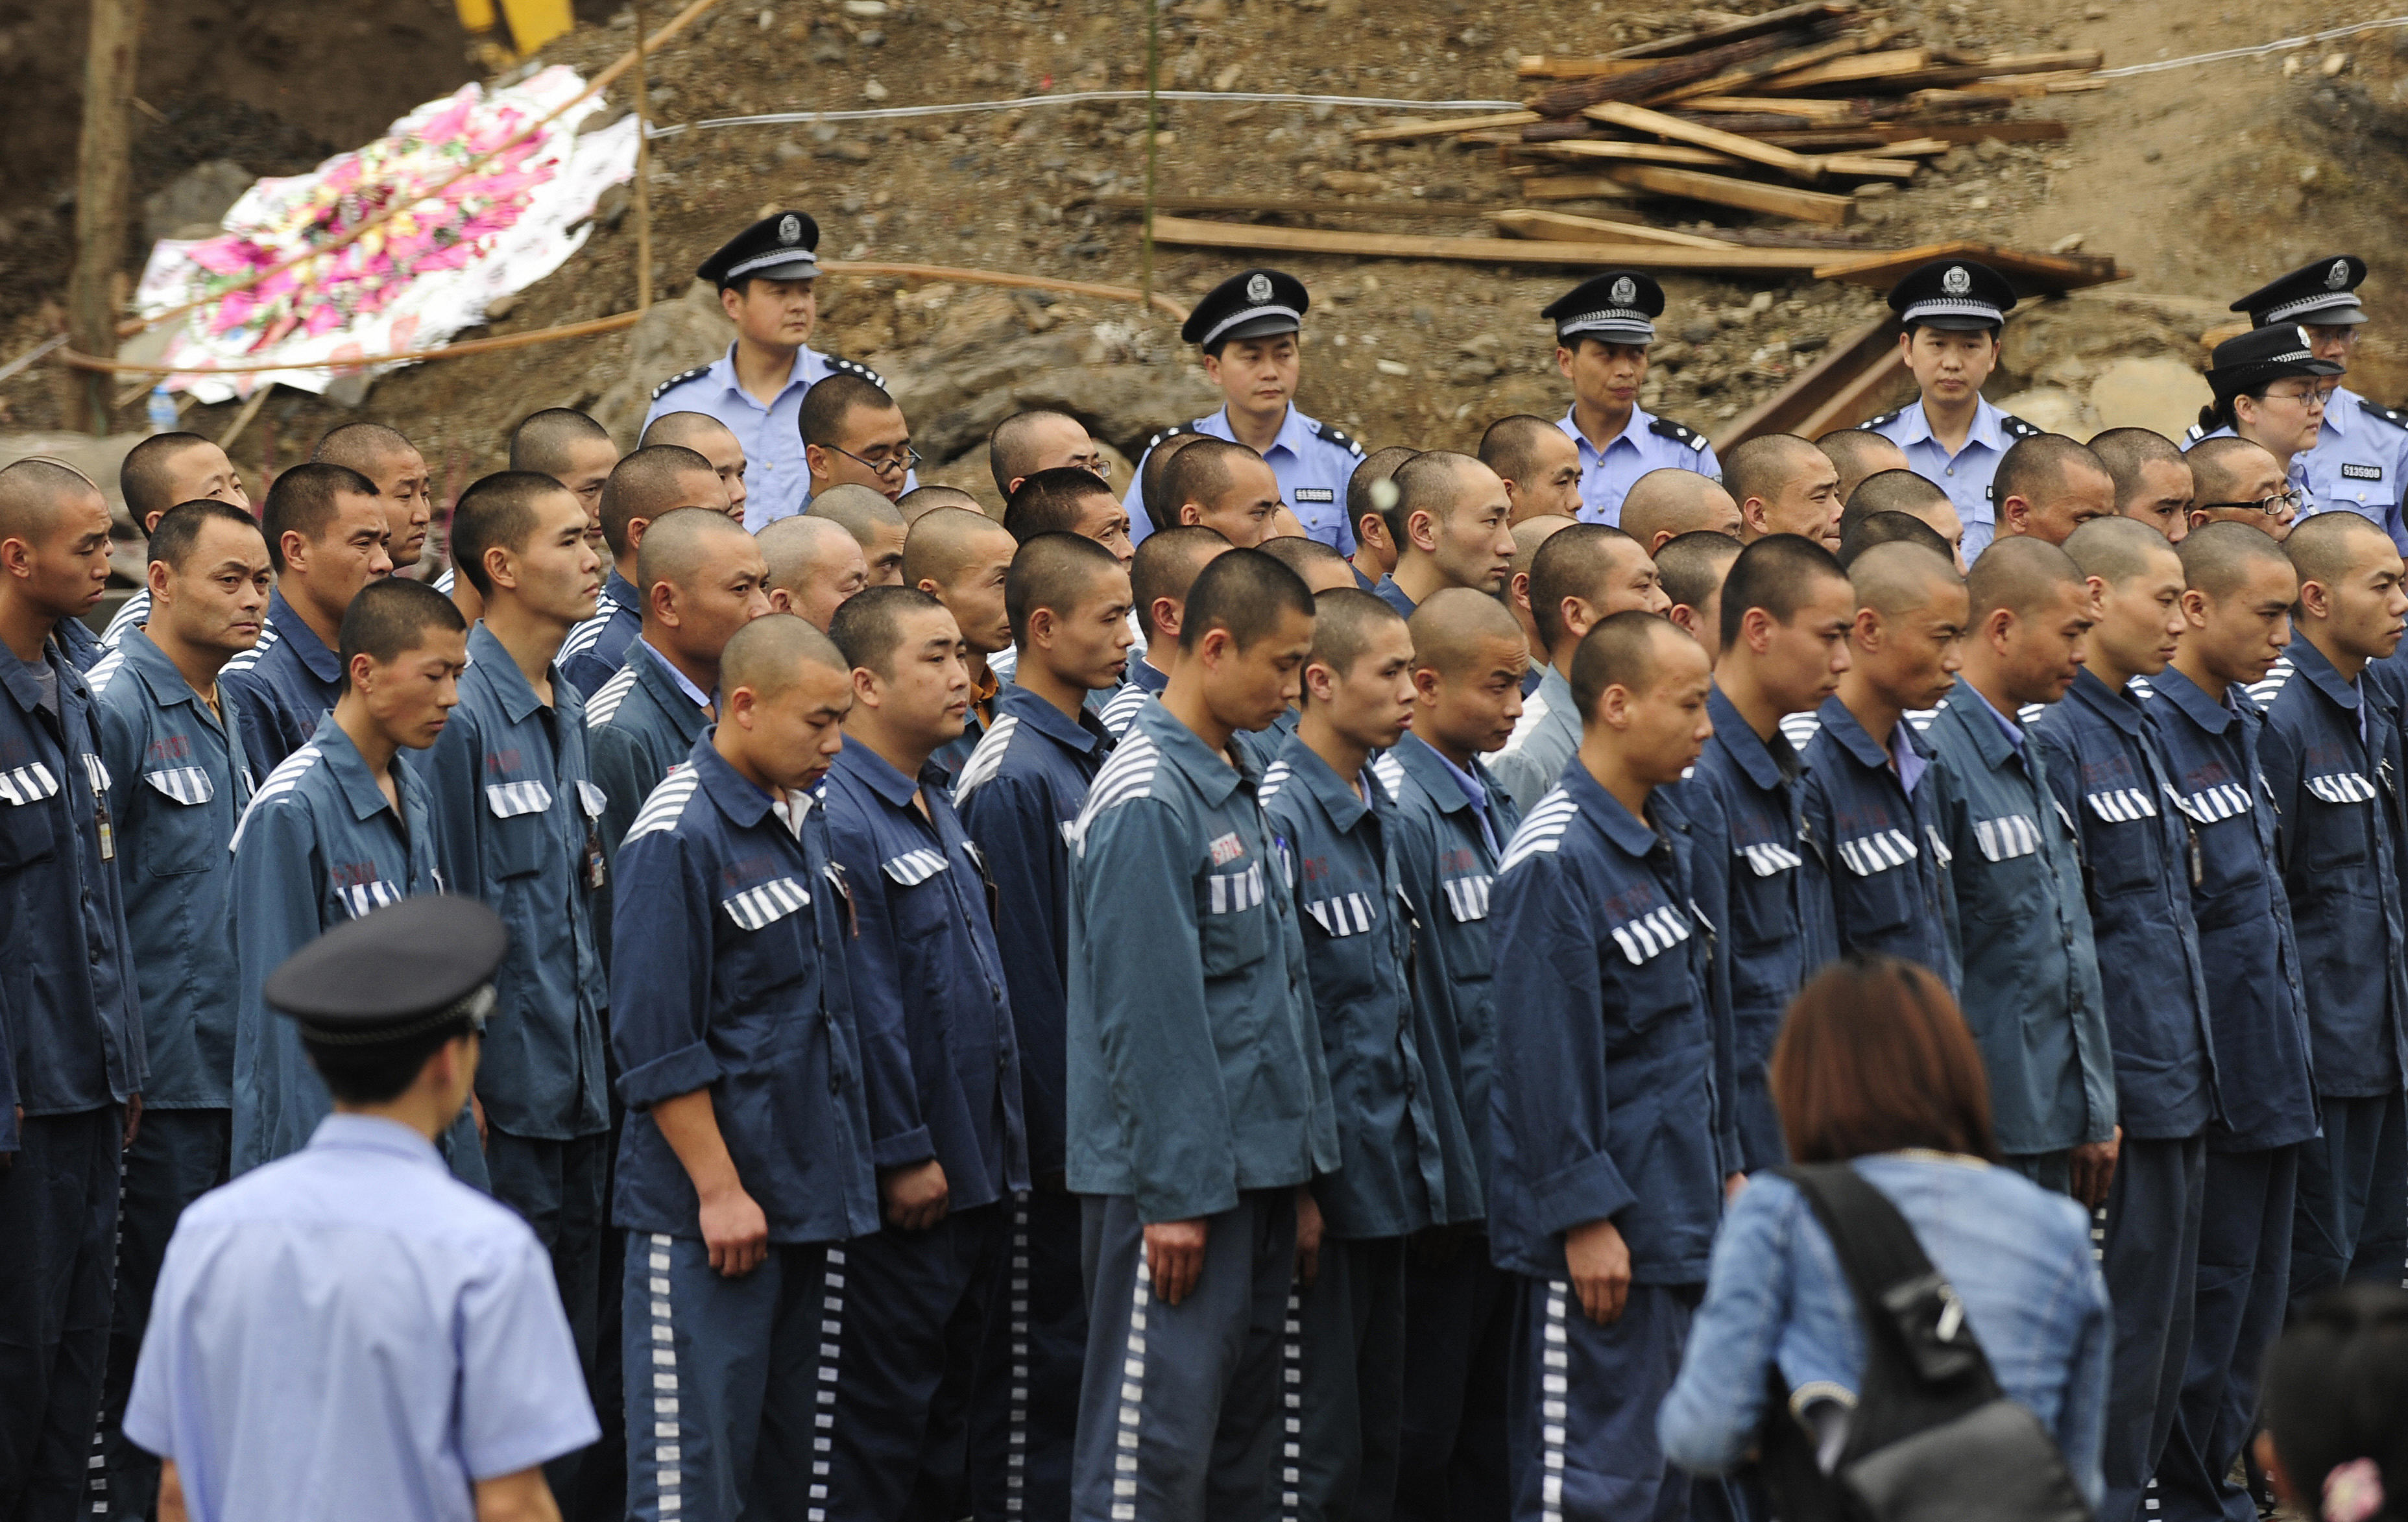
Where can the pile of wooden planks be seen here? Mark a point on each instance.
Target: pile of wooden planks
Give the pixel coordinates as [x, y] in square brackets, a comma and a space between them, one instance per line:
[1783, 114]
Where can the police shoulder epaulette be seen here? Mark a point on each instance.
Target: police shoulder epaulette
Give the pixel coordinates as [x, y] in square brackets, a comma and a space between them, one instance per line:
[2018, 427]
[680, 379]
[1667, 428]
[1329, 433]
[2193, 433]
[1884, 421]
[854, 367]
[2389, 414]
[1171, 432]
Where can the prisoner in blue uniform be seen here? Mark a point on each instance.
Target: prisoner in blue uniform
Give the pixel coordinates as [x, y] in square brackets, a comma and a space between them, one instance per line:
[2360, 457]
[1347, 1328]
[1606, 1111]
[516, 815]
[2331, 751]
[944, 1085]
[2257, 1019]
[178, 786]
[1196, 1096]
[1312, 460]
[279, 691]
[2030, 988]
[1953, 298]
[733, 984]
[1878, 811]
[1449, 827]
[1019, 797]
[318, 846]
[71, 1046]
[1603, 327]
[595, 649]
[780, 247]
[348, 1332]
[2107, 769]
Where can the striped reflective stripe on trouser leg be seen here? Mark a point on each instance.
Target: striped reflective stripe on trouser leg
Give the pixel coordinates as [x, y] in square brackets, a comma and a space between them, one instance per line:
[1124, 1441]
[668, 1476]
[1292, 1408]
[1555, 1385]
[96, 1464]
[1015, 1460]
[824, 1394]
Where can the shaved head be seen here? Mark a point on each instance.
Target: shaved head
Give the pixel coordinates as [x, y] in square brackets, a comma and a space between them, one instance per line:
[1889, 491]
[1530, 533]
[2329, 546]
[1059, 571]
[362, 446]
[2220, 558]
[1663, 505]
[1167, 566]
[1694, 565]
[655, 479]
[1365, 493]
[1512, 444]
[2116, 549]
[2037, 468]
[1761, 466]
[948, 541]
[796, 547]
[2218, 466]
[542, 443]
[1343, 623]
[1625, 650]
[34, 491]
[921, 501]
[771, 651]
[678, 543]
[1890, 579]
[684, 429]
[1579, 562]
[861, 511]
[1881, 528]
[1449, 625]
[2021, 575]
[1154, 491]
[1858, 453]
[1026, 443]
[2126, 451]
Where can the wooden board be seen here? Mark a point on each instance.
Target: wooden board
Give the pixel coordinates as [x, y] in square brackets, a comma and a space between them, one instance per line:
[1913, 148]
[1831, 111]
[1751, 73]
[1806, 393]
[1563, 227]
[1746, 194]
[1408, 131]
[1189, 233]
[1288, 207]
[1863, 69]
[1680, 154]
[1737, 31]
[2030, 274]
[1867, 166]
[1551, 66]
[1571, 95]
[1616, 113]
[1578, 188]
[1875, 133]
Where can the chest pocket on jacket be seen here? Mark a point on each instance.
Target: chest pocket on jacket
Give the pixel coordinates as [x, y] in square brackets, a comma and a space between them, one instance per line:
[168, 853]
[25, 833]
[361, 899]
[1652, 934]
[1768, 859]
[514, 844]
[2214, 805]
[2125, 860]
[1462, 928]
[2007, 838]
[1234, 928]
[1348, 915]
[2122, 805]
[914, 867]
[2337, 842]
[1882, 850]
[757, 909]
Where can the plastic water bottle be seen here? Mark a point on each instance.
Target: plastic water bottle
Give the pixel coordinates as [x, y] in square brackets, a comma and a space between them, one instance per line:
[163, 410]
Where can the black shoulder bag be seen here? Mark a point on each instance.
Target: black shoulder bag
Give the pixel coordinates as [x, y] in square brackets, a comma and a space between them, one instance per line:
[1931, 1438]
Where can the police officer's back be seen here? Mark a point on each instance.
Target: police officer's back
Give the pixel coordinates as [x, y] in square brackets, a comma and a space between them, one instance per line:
[349, 1331]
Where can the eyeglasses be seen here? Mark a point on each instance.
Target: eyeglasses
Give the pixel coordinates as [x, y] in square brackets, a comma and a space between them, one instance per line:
[2288, 497]
[1096, 465]
[2313, 396]
[890, 464]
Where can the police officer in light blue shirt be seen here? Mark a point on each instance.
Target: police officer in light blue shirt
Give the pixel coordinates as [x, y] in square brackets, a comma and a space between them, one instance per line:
[338, 830]
[1198, 1100]
[1334, 818]
[745, 1163]
[1019, 795]
[348, 1332]
[2360, 460]
[1955, 312]
[1603, 327]
[326, 532]
[1609, 1162]
[1450, 825]
[71, 1048]
[178, 785]
[764, 275]
[2270, 387]
[1249, 328]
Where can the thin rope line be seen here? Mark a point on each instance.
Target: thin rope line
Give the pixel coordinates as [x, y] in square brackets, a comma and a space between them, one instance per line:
[1076, 97]
[2280, 45]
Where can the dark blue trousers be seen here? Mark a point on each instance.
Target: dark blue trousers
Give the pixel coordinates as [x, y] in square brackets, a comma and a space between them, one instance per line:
[558, 1186]
[178, 1156]
[2352, 1221]
[1025, 1413]
[917, 1305]
[1458, 1341]
[58, 1225]
[2245, 1269]
[2154, 1211]
[1179, 1419]
[727, 1382]
[1349, 1368]
[1581, 1421]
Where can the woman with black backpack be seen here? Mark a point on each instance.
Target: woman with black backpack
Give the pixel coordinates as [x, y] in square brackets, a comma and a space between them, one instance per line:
[1981, 1389]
